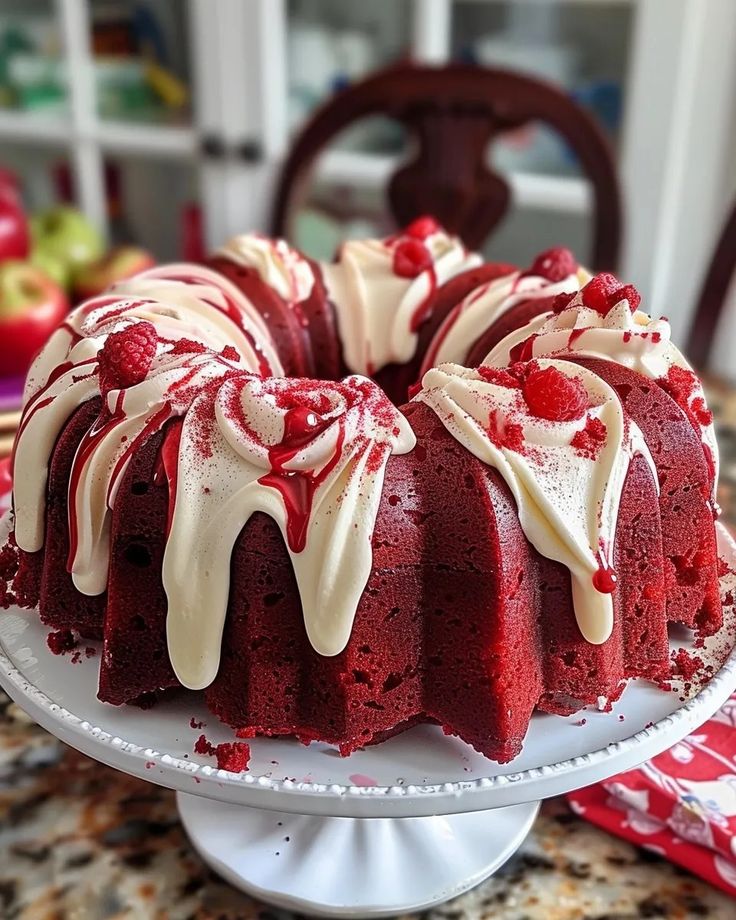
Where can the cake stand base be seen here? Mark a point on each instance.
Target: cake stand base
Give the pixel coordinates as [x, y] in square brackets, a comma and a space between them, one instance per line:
[348, 867]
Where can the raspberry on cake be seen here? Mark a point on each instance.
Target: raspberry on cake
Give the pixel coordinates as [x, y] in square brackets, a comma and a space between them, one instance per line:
[517, 537]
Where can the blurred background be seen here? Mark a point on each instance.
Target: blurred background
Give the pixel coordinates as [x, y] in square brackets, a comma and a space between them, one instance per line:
[166, 122]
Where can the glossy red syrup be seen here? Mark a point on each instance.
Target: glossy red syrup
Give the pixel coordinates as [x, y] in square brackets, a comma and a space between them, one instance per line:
[605, 579]
[298, 487]
[167, 466]
[574, 336]
[424, 309]
[524, 351]
[153, 424]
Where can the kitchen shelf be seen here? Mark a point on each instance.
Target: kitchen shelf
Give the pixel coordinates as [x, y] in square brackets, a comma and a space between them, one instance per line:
[567, 194]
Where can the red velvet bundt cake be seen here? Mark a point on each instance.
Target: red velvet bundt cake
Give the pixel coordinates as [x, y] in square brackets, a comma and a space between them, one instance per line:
[195, 485]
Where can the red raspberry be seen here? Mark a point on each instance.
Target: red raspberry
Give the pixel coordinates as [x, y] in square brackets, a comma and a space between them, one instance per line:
[233, 756]
[553, 264]
[422, 227]
[411, 258]
[126, 356]
[554, 396]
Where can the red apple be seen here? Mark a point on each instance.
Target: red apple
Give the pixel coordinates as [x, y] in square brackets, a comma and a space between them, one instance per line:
[119, 263]
[31, 307]
[14, 233]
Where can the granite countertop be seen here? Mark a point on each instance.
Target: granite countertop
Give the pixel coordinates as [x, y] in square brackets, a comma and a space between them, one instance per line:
[80, 841]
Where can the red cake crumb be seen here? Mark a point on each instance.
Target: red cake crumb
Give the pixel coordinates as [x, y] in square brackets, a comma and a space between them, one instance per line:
[233, 756]
[686, 665]
[76, 657]
[508, 434]
[553, 264]
[230, 353]
[590, 440]
[499, 376]
[61, 642]
[90, 652]
[126, 356]
[724, 568]
[245, 733]
[603, 292]
[194, 724]
[554, 396]
[203, 746]
[562, 302]
[411, 258]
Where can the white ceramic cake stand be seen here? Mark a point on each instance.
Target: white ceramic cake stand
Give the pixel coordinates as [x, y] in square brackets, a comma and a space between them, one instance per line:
[403, 825]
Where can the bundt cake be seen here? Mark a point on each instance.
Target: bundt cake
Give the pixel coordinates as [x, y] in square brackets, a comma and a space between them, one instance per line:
[207, 479]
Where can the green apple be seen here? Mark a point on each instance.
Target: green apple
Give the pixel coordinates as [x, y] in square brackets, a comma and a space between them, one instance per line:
[65, 233]
[119, 263]
[51, 265]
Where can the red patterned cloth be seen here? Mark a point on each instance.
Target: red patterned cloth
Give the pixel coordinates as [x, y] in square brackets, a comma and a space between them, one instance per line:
[681, 804]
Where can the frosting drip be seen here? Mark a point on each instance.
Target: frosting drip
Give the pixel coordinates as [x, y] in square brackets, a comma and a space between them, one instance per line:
[630, 338]
[566, 473]
[381, 290]
[278, 265]
[191, 309]
[312, 456]
[483, 306]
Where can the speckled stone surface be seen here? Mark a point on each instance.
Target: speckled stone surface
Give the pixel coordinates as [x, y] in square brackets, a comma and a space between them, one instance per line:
[79, 841]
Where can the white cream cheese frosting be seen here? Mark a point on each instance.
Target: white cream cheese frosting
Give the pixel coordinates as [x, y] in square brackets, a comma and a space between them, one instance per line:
[632, 339]
[379, 301]
[311, 455]
[280, 266]
[201, 307]
[567, 494]
[484, 305]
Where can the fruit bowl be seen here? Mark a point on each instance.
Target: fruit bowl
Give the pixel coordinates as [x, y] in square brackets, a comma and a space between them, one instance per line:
[403, 825]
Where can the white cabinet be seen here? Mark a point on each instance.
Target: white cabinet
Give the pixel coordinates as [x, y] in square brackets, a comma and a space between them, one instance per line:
[658, 73]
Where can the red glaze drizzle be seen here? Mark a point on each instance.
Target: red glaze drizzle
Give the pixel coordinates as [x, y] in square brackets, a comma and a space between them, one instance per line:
[167, 466]
[298, 487]
[605, 579]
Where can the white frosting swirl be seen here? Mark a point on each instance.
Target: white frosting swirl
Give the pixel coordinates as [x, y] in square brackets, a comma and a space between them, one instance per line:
[309, 454]
[377, 308]
[182, 302]
[484, 305]
[567, 497]
[278, 265]
[634, 340]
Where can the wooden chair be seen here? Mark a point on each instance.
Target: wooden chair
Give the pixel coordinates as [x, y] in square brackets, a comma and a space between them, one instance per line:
[713, 295]
[453, 113]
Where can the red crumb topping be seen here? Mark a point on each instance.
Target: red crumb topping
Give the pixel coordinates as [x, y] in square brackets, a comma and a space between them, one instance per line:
[126, 356]
[411, 258]
[230, 353]
[508, 434]
[603, 292]
[686, 665]
[194, 724]
[682, 384]
[203, 746]
[590, 440]
[233, 756]
[724, 568]
[552, 395]
[553, 264]
[187, 347]
[61, 642]
[422, 227]
[499, 376]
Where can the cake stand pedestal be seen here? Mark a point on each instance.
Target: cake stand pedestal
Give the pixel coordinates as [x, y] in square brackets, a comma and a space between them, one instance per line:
[401, 826]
